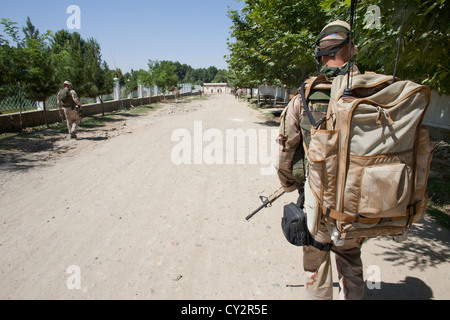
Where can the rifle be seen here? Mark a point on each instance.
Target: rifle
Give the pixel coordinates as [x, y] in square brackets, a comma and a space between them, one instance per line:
[267, 202]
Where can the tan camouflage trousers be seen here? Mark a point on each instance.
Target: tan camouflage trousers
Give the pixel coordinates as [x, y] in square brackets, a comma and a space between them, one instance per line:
[73, 120]
[318, 272]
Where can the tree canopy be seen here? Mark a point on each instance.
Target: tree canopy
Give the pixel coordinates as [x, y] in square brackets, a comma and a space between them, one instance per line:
[273, 41]
[80, 61]
[38, 64]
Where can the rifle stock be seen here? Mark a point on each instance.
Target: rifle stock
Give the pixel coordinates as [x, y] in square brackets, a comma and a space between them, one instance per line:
[267, 202]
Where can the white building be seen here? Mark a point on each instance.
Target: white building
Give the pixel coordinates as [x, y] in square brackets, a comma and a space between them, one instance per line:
[214, 88]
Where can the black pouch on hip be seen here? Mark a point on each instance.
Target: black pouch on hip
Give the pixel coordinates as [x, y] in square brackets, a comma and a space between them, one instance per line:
[294, 226]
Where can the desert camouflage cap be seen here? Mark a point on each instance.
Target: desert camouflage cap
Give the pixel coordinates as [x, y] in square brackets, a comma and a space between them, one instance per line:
[336, 30]
[333, 37]
[333, 34]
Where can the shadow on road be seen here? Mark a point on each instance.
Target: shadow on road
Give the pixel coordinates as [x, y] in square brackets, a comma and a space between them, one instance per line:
[21, 152]
[269, 123]
[409, 289]
[426, 246]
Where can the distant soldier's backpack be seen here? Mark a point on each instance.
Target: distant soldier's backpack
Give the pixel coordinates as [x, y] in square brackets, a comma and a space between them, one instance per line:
[368, 163]
[66, 98]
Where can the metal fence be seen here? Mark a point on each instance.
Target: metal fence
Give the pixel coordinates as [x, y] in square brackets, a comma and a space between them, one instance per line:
[19, 103]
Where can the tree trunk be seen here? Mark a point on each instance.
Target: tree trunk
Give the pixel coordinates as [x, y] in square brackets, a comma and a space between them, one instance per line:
[103, 106]
[275, 98]
[20, 109]
[45, 113]
[259, 99]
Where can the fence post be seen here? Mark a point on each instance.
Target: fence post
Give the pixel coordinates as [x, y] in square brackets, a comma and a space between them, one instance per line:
[140, 91]
[116, 89]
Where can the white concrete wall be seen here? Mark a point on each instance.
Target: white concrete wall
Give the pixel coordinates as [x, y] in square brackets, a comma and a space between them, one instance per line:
[438, 114]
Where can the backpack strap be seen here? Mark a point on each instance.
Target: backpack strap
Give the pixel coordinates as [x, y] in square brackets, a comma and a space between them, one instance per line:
[319, 245]
[306, 107]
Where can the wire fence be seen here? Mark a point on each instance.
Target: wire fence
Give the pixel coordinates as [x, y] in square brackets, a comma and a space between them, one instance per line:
[18, 103]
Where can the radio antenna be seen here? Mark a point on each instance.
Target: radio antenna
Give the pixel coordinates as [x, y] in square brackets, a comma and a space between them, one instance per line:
[348, 91]
[400, 42]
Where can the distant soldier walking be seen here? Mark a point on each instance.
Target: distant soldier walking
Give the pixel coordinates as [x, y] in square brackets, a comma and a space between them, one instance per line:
[238, 94]
[69, 107]
[176, 93]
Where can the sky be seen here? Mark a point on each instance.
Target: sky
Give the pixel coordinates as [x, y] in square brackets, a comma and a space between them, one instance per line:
[130, 32]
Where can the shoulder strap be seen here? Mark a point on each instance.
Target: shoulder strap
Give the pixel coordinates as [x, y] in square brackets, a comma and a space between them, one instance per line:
[306, 107]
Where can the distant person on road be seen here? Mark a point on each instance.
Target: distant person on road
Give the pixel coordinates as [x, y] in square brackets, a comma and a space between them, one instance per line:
[239, 94]
[176, 93]
[69, 106]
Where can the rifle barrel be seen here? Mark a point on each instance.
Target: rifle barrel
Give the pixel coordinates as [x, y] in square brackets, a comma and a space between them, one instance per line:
[264, 205]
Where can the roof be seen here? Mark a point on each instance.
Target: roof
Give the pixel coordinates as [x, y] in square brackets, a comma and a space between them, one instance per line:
[215, 84]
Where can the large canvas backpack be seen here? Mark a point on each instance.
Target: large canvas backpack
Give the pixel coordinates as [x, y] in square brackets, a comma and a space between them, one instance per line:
[368, 164]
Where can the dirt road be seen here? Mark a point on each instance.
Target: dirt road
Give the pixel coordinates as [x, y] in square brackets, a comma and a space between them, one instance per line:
[114, 216]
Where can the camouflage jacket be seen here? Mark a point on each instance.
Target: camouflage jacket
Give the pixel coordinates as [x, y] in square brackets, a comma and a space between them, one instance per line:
[67, 99]
[295, 128]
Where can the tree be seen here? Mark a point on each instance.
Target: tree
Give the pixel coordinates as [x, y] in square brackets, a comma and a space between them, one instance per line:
[41, 81]
[181, 70]
[92, 68]
[424, 54]
[81, 53]
[211, 73]
[37, 65]
[133, 79]
[77, 60]
[104, 82]
[221, 77]
[28, 67]
[202, 75]
[30, 31]
[274, 40]
[13, 63]
[162, 74]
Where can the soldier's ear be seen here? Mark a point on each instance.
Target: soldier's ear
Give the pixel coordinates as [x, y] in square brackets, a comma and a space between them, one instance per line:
[353, 51]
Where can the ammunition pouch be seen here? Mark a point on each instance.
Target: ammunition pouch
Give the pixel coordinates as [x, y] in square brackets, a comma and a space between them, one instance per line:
[296, 230]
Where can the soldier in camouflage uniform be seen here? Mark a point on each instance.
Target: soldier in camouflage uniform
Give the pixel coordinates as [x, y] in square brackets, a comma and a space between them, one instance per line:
[176, 93]
[69, 106]
[332, 53]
